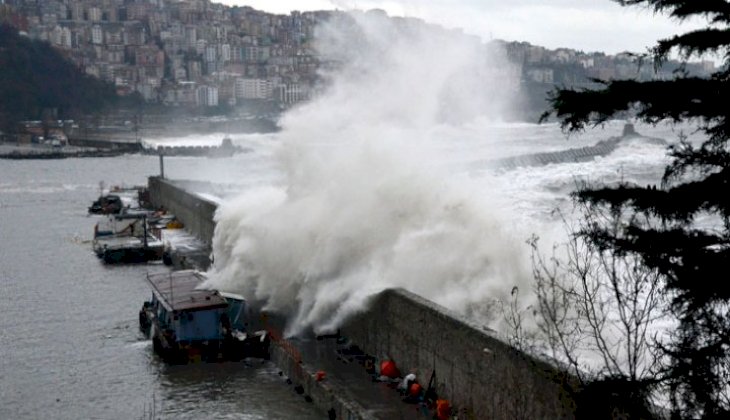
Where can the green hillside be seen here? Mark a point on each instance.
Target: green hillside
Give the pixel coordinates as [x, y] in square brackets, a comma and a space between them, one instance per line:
[34, 77]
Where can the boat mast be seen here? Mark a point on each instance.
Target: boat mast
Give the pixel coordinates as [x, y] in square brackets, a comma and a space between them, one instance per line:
[144, 224]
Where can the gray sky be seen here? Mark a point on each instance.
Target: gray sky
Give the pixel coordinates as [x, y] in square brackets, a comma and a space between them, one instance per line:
[588, 25]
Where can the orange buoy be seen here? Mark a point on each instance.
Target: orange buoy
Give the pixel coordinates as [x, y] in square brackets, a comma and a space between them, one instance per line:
[388, 368]
[443, 410]
[415, 389]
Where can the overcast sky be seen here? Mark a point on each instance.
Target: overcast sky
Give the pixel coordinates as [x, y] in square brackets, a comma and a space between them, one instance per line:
[588, 25]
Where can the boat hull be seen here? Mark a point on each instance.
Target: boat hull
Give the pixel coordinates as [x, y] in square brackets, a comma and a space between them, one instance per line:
[227, 348]
[134, 255]
[114, 249]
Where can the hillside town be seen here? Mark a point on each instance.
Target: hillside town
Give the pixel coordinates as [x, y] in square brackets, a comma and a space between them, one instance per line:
[198, 54]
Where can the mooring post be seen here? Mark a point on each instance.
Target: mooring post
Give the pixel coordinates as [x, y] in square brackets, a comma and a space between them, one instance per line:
[162, 166]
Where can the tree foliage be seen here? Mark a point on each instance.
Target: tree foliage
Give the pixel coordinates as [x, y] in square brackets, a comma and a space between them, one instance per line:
[596, 304]
[598, 314]
[34, 77]
[687, 234]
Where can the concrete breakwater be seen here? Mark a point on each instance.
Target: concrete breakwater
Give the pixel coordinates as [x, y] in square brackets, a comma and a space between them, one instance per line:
[480, 374]
[577, 154]
[580, 154]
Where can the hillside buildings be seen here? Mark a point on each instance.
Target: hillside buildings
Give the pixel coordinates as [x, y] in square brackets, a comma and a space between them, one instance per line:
[196, 53]
[180, 53]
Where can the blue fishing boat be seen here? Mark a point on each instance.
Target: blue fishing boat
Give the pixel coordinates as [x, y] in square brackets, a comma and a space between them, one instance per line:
[189, 324]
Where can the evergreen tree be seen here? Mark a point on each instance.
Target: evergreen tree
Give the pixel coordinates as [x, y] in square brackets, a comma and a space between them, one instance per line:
[694, 258]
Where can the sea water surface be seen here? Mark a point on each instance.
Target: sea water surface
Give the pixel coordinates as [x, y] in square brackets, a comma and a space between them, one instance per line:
[70, 347]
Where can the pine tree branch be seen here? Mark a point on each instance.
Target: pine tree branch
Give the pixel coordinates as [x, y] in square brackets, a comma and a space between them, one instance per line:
[679, 99]
[696, 43]
[689, 259]
[715, 10]
[681, 229]
[706, 159]
[679, 203]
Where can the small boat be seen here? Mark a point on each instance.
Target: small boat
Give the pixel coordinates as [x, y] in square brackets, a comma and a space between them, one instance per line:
[118, 200]
[107, 204]
[189, 324]
[126, 238]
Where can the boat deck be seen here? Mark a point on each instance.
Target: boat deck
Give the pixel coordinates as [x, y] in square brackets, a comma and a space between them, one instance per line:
[117, 242]
[178, 291]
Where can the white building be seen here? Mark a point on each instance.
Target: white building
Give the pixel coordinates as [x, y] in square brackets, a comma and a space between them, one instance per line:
[94, 14]
[207, 96]
[211, 54]
[541, 75]
[292, 93]
[97, 35]
[253, 89]
[225, 52]
[61, 36]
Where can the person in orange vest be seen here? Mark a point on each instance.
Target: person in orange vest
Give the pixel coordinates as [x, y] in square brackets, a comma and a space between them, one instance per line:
[405, 385]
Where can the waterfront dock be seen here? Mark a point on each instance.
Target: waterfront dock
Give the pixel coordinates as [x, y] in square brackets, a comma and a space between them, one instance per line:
[21, 151]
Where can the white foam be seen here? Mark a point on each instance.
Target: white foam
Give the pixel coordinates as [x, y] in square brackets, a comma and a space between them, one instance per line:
[365, 203]
[375, 188]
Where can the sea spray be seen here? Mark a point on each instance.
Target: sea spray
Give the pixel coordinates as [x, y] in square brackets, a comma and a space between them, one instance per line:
[365, 204]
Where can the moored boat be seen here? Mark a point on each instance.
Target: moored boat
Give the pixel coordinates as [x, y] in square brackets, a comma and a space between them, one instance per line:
[188, 324]
[126, 238]
[119, 200]
[107, 204]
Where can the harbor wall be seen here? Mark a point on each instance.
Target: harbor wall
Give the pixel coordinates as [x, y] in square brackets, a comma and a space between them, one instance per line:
[106, 143]
[194, 211]
[582, 154]
[482, 376]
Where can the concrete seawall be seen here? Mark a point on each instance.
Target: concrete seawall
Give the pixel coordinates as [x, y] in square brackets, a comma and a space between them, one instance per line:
[483, 377]
[581, 154]
[194, 211]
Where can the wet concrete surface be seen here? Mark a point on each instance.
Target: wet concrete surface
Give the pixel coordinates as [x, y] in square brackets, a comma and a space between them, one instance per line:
[347, 374]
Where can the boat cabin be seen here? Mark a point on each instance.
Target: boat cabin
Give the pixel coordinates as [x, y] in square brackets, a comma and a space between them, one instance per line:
[192, 313]
[184, 320]
[107, 204]
[127, 238]
[129, 224]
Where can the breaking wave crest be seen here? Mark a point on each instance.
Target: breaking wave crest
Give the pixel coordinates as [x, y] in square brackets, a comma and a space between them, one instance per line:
[364, 204]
